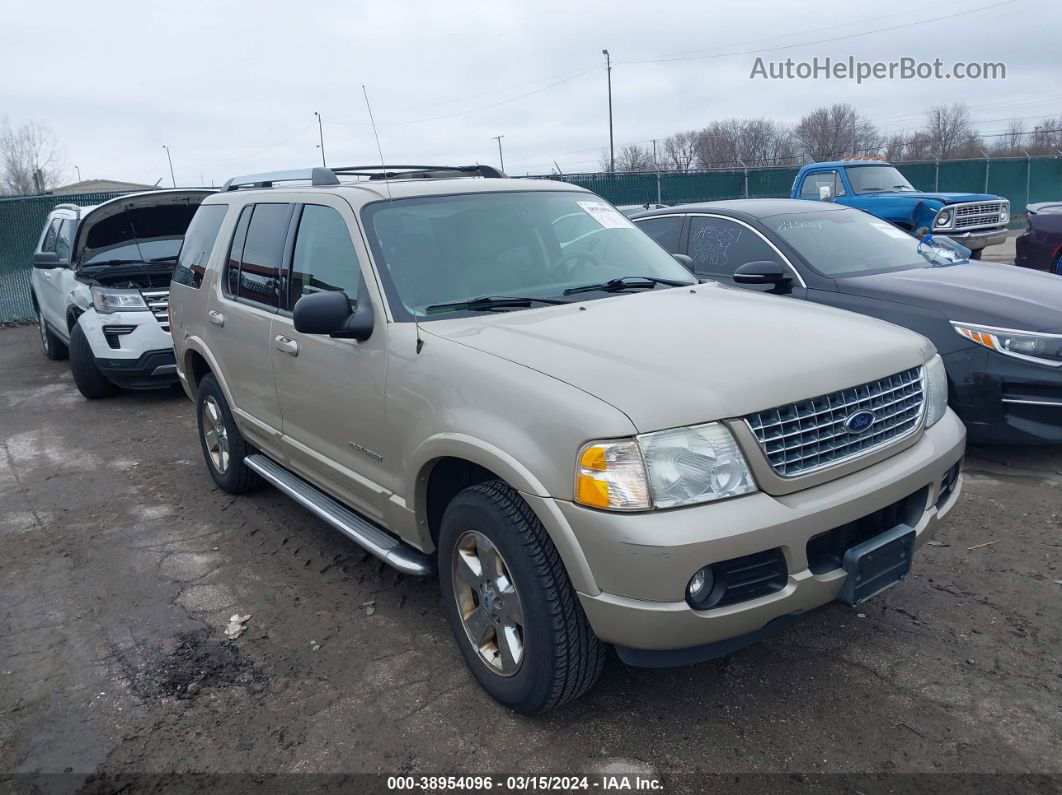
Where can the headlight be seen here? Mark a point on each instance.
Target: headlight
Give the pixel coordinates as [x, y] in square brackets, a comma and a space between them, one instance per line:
[1028, 345]
[667, 469]
[1004, 212]
[943, 218]
[107, 300]
[936, 390]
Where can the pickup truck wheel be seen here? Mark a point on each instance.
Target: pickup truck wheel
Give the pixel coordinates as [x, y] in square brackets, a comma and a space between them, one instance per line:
[87, 376]
[224, 447]
[510, 603]
[976, 253]
[54, 348]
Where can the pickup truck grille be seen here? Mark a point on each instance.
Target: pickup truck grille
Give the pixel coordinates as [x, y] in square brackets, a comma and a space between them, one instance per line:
[812, 434]
[158, 302]
[975, 215]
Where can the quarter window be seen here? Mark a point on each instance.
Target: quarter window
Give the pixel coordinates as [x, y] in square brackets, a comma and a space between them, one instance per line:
[719, 247]
[324, 257]
[263, 253]
[664, 231]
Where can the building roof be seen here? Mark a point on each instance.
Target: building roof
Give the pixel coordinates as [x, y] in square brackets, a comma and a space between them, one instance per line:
[98, 186]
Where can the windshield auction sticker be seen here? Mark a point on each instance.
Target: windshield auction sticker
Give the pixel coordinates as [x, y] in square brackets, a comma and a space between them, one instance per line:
[608, 217]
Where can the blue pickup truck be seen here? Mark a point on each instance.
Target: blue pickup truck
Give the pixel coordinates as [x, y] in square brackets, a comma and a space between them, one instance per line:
[976, 220]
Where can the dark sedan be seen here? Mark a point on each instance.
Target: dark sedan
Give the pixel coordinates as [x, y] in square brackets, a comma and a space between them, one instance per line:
[998, 329]
[1040, 247]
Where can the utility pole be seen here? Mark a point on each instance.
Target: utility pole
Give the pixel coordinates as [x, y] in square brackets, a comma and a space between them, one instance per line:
[320, 134]
[173, 179]
[611, 140]
[656, 166]
[501, 157]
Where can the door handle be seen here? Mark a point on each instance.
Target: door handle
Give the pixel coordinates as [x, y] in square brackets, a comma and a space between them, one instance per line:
[216, 318]
[286, 344]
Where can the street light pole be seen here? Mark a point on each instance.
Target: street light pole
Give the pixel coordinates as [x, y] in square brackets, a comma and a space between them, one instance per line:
[78, 170]
[173, 179]
[501, 158]
[656, 167]
[320, 133]
[611, 141]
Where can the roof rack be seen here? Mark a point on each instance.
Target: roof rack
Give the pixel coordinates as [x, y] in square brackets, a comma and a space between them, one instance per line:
[320, 176]
[66, 206]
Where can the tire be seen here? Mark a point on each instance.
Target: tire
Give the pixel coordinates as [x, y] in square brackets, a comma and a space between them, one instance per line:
[976, 253]
[224, 447]
[54, 348]
[560, 658]
[87, 376]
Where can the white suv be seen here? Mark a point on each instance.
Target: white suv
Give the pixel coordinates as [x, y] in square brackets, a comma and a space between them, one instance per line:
[101, 286]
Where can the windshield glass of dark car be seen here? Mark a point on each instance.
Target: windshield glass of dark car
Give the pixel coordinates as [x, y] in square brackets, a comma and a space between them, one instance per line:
[535, 244]
[877, 179]
[839, 243]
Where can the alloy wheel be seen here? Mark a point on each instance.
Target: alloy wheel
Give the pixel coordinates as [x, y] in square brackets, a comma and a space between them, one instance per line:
[215, 435]
[488, 603]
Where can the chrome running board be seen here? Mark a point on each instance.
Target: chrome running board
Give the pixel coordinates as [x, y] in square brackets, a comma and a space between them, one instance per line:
[358, 529]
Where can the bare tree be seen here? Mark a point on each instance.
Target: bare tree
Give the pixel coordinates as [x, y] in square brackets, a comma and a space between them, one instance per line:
[680, 151]
[754, 142]
[948, 130]
[829, 133]
[1046, 137]
[633, 157]
[30, 160]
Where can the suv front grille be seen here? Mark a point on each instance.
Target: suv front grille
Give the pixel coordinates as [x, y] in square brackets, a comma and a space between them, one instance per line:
[982, 214]
[812, 434]
[158, 302]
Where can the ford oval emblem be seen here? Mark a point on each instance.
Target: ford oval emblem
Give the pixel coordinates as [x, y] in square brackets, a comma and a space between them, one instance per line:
[859, 422]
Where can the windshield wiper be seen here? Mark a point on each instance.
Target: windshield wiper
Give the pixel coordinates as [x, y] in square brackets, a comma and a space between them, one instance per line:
[485, 303]
[626, 283]
[105, 262]
[171, 258]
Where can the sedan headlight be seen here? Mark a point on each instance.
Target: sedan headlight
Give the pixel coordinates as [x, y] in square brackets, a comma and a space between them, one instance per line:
[936, 390]
[1028, 345]
[108, 300]
[666, 469]
[943, 219]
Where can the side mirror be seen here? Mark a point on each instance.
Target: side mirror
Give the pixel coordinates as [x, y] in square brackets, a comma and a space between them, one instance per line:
[825, 193]
[46, 260]
[762, 272]
[329, 313]
[685, 261]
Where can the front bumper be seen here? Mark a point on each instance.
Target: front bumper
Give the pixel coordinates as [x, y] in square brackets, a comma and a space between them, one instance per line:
[139, 357]
[642, 562]
[975, 239]
[1003, 400]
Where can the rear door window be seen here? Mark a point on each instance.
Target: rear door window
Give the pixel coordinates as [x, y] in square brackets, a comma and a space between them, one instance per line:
[198, 243]
[719, 246]
[231, 281]
[263, 254]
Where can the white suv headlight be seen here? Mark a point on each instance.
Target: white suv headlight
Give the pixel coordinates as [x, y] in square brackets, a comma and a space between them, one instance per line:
[108, 300]
[936, 390]
[666, 469]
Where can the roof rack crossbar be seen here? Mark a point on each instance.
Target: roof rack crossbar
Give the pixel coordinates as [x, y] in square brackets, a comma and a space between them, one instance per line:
[327, 176]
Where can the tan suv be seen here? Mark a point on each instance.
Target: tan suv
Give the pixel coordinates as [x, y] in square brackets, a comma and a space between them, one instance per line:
[506, 381]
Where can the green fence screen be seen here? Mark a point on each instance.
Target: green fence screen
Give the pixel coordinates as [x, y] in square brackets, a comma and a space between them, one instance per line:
[1021, 180]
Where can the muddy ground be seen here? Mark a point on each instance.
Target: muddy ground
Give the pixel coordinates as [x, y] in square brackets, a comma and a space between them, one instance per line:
[121, 564]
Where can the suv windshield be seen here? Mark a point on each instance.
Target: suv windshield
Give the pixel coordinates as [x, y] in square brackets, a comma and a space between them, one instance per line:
[877, 179]
[839, 243]
[444, 251]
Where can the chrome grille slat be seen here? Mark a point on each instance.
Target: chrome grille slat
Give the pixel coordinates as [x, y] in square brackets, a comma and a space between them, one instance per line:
[805, 436]
[158, 301]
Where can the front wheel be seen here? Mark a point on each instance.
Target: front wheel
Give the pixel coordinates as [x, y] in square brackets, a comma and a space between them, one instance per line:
[87, 376]
[511, 606]
[976, 253]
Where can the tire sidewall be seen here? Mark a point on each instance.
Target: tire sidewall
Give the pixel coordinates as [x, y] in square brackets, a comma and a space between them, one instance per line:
[531, 684]
[209, 387]
[91, 383]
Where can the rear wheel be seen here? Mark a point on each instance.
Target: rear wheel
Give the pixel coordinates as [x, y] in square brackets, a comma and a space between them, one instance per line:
[511, 606]
[87, 376]
[224, 447]
[54, 348]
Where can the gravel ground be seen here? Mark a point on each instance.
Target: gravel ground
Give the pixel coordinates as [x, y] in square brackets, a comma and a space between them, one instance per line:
[122, 565]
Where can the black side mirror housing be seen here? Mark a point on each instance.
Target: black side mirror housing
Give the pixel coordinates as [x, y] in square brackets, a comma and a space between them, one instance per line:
[685, 260]
[761, 272]
[46, 260]
[329, 313]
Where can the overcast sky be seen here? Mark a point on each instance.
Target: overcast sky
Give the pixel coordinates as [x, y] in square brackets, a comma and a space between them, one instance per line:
[232, 88]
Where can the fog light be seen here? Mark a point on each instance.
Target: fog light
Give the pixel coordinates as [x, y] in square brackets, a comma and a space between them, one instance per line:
[700, 587]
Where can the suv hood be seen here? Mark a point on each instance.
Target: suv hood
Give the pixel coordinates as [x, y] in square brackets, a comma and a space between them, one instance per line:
[154, 215]
[681, 356]
[975, 292]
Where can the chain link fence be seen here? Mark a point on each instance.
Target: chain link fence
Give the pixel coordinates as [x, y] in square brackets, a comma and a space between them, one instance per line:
[1021, 180]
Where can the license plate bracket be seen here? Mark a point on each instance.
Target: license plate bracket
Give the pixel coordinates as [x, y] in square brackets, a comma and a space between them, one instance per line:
[877, 564]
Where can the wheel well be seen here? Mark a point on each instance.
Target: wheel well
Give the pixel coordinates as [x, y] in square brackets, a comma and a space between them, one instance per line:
[197, 367]
[71, 319]
[448, 477]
